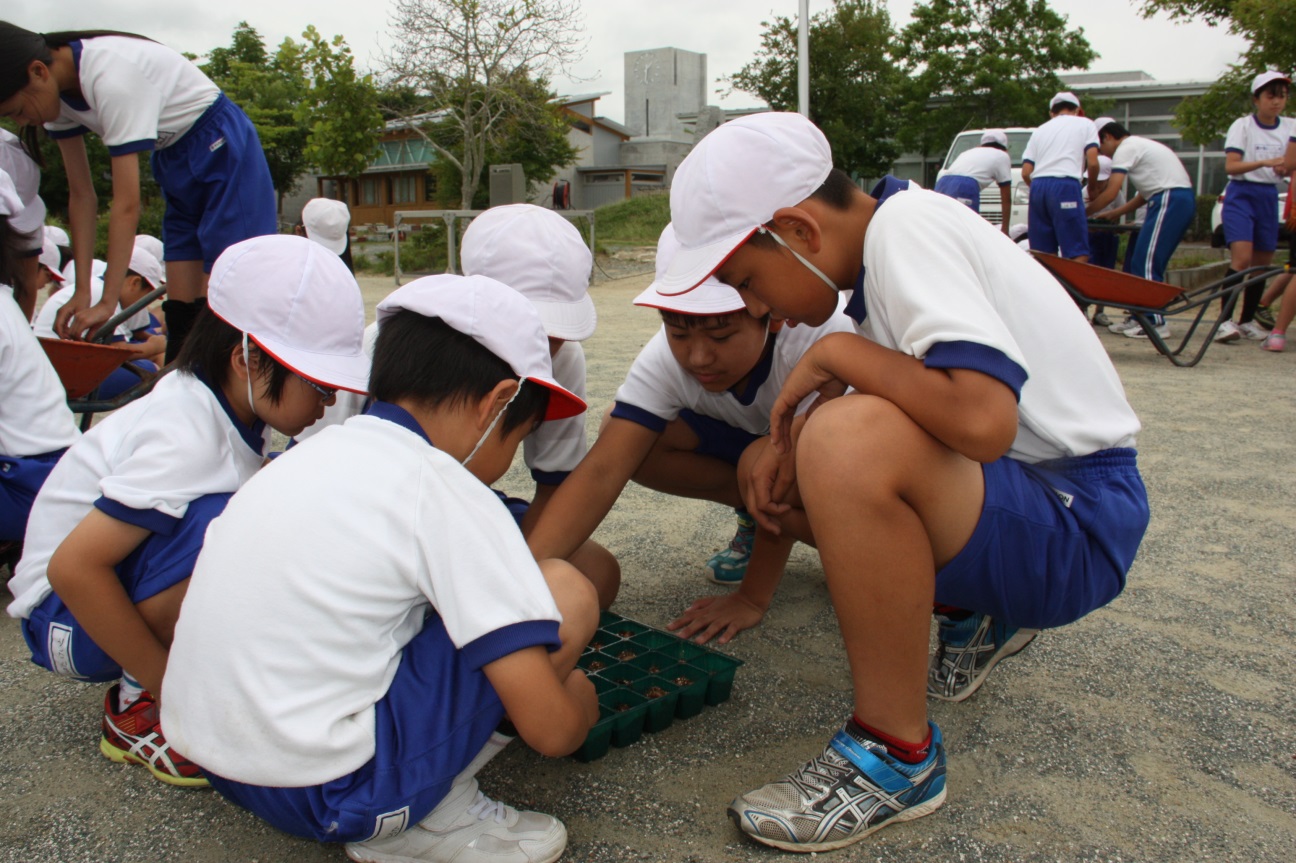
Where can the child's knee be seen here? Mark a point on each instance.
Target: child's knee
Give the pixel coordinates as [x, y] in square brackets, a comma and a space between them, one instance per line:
[576, 598]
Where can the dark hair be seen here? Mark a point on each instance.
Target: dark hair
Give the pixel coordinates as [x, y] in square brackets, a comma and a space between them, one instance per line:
[18, 48]
[837, 191]
[1274, 88]
[430, 362]
[1064, 106]
[994, 145]
[1116, 130]
[9, 254]
[688, 322]
[207, 351]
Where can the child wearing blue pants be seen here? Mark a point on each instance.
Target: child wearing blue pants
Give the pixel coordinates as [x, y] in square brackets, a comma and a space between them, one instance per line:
[1056, 156]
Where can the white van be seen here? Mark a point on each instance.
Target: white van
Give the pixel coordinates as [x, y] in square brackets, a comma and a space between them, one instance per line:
[1020, 197]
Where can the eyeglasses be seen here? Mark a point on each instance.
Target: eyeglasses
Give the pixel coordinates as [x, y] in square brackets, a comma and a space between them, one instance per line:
[326, 393]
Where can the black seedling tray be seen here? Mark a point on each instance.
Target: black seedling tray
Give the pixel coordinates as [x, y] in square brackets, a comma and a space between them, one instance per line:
[646, 679]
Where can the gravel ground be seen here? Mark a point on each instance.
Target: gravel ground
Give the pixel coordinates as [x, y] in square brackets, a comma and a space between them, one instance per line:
[1159, 728]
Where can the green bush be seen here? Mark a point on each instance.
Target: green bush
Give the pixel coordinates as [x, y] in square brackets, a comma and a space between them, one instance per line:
[1200, 229]
[150, 222]
[422, 251]
[636, 221]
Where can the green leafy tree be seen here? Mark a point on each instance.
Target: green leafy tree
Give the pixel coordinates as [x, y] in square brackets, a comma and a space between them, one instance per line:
[341, 109]
[462, 59]
[855, 84]
[1270, 28]
[983, 63]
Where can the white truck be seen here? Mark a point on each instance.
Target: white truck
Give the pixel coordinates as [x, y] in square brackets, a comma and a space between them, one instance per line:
[991, 208]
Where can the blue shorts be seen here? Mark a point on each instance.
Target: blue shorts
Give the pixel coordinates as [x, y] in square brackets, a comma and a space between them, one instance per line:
[717, 438]
[963, 189]
[1169, 214]
[1056, 218]
[57, 641]
[1054, 541]
[21, 477]
[217, 186]
[516, 506]
[1250, 215]
[123, 379]
[1103, 246]
[435, 718]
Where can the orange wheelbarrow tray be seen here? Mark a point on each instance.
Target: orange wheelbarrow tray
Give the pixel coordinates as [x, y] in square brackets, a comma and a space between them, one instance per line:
[83, 366]
[1143, 298]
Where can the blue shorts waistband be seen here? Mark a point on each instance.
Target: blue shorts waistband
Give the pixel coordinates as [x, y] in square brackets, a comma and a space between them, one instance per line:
[1104, 462]
[209, 116]
[1256, 183]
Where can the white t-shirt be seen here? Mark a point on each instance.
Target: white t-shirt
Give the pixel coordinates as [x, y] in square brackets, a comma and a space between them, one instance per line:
[1256, 143]
[941, 285]
[34, 416]
[44, 322]
[138, 94]
[314, 579]
[986, 165]
[1152, 166]
[1057, 149]
[1104, 173]
[658, 387]
[142, 464]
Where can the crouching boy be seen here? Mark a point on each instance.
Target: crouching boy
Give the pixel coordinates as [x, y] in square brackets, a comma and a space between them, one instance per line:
[985, 459]
[366, 615]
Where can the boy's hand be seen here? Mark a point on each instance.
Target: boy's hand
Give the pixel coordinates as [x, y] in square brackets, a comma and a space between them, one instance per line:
[806, 377]
[771, 477]
[711, 616]
[581, 689]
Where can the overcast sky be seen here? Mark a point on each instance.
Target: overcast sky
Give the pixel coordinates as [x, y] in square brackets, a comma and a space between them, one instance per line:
[727, 31]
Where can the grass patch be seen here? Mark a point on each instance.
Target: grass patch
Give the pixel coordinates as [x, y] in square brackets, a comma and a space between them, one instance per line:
[636, 221]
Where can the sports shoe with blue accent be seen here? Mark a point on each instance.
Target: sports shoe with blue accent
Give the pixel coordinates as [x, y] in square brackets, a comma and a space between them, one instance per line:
[853, 789]
[730, 565]
[968, 649]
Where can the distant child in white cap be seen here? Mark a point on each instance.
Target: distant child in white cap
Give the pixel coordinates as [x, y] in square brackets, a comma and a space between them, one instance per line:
[328, 222]
[1253, 158]
[114, 533]
[1057, 159]
[691, 419]
[542, 256]
[961, 470]
[36, 426]
[27, 223]
[978, 167]
[346, 681]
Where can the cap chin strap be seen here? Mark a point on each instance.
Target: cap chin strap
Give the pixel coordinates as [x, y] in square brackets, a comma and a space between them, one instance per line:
[490, 428]
[809, 266]
[248, 364]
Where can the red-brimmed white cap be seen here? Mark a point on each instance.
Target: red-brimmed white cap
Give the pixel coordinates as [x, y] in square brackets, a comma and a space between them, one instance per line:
[541, 255]
[496, 317]
[150, 244]
[712, 297]
[299, 303]
[1064, 96]
[59, 236]
[146, 266]
[732, 183]
[994, 136]
[49, 258]
[326, 222]
[1264, 79]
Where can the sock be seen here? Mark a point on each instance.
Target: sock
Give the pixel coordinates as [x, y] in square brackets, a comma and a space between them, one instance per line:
[128, 692]
[1228, 278]
[909, 753]
[180, 317]
[1250, 302]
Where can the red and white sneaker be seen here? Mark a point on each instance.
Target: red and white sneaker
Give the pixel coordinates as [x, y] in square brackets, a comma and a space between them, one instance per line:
[133, 736]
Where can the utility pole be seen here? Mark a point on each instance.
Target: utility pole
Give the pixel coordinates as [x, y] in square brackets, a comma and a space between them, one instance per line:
[803, 60]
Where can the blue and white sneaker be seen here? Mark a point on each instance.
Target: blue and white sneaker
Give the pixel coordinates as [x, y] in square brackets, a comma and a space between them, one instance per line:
[730, 565]
[968, 649]
[853, 789]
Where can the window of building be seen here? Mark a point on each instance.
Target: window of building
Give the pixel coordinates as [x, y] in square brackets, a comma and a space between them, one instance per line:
[369, 195]
[429, 188]
[404, 189]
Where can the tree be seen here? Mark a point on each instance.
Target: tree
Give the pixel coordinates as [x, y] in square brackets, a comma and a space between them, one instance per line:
[854, 83]
[462, 58]
[983, 63]
[341, 111]
[1266, 24]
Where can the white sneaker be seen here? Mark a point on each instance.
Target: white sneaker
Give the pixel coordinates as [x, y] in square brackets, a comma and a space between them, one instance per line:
[469, 827]
[1122, 326]
[1228, 332]
[1137, 332]
[1253, 331]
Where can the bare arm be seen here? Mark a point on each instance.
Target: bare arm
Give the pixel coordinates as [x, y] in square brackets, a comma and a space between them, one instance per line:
[82, 574]
[1005, 201]
[551, 715]
[1091, 162]
[1289, 157]
[83, 208]
[571, 513]
[1233, 163]
[1028, 168]
[1110, 188]
[1127, 207]
[970, 412]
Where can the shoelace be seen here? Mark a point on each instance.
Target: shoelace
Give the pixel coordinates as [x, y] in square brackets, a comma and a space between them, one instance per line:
[484, 807]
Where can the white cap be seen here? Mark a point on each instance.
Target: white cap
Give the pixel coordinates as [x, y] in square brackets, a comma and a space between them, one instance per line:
[150, 244]
[541, 255]
[97, 270]
[10, 203]
[1103, 121]
[49, 258]
[147, 267]
[1017, 231]
[58, 235]
[326, 222]
[496, 317]
[1104, 167]
[299, 303]
[25, 175]
[731, 184]
[1064, 96]
[712, 297]
[1265, 78]
[994, 136]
